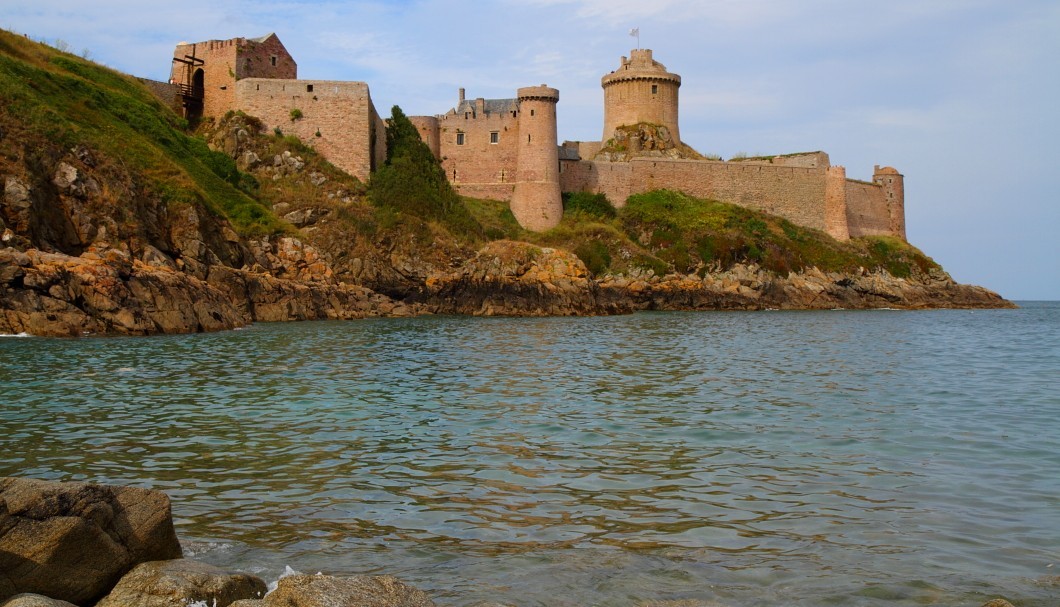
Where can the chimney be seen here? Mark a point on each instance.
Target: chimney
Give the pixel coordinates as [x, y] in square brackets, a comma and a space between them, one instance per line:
[461, 94]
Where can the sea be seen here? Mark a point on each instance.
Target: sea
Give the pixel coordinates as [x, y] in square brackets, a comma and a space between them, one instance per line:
[875, 458]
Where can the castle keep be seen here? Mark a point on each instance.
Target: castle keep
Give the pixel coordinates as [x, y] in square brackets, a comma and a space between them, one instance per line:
[507, 149]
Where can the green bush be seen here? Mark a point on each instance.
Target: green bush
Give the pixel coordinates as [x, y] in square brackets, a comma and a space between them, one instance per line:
[594, 255]
[412, 181]
[590, 205]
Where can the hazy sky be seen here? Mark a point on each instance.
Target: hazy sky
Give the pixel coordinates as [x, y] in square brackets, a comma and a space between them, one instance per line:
[961, 96]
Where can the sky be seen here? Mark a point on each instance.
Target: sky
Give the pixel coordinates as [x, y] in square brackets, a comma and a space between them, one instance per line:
[961, 96]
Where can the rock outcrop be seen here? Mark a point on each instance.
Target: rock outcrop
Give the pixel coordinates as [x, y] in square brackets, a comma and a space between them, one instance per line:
[748, 287]
[179, 582]
[508, 278]
[328, 591]
[74, 541]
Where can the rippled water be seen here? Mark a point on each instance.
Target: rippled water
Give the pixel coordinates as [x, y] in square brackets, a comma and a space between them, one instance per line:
[768, 458]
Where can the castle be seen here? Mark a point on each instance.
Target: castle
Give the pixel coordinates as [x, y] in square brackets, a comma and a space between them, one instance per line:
[507, 149]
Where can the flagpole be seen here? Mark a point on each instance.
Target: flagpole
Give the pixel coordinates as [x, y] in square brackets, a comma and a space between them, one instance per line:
[635, 32]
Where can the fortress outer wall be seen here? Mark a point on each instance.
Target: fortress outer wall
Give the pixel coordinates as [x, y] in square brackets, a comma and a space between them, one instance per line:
[337, 119]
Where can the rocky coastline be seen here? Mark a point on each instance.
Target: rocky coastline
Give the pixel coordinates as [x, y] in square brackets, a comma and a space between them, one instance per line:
[73, 544]
[112, 292]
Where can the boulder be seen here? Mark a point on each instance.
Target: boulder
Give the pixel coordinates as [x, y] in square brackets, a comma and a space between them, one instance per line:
[328, 591]
[179, 582]
[34, 600]
[74, 541]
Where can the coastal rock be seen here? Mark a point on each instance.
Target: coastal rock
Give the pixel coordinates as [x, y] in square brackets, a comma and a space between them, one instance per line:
[998, 603]
[74, 541]
[328, 591]
[61, 295]
[34, 600]
[177, 583]
[508, 278]
[748, 287]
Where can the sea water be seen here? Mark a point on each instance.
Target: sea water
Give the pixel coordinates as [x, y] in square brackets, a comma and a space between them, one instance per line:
[877, 458]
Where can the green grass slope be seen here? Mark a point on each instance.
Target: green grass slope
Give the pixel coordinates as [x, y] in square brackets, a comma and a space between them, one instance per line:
[57, 100]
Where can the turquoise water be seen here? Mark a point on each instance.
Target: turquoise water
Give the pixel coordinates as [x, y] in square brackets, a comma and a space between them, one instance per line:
[877, 458]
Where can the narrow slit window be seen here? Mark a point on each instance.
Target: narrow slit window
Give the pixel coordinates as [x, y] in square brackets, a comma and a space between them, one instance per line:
[272, 60]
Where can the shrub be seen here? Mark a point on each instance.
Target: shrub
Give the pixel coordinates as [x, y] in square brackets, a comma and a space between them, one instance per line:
[594, 255]
[296, 114]
[412, 180]
[592, 205]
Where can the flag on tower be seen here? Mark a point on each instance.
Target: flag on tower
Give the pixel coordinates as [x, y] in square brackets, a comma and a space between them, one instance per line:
[635, 32]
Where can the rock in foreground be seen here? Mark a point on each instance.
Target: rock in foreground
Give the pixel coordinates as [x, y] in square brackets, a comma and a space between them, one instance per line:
[74, 541]
[180, 582]
[328, 591]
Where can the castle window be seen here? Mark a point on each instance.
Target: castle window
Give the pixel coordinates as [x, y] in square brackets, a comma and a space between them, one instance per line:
[655, 89]
[495, 136]
[309, 88]
[528, 137]
[460, 139]
[531, 112]
[272, 60]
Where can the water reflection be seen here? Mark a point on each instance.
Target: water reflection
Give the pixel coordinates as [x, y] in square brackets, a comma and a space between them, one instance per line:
[734, 457]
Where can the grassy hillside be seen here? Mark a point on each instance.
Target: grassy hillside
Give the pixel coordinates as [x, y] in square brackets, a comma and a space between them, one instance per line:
[61, 101]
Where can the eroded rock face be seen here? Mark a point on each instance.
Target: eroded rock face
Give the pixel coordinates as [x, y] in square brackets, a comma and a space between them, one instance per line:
[509, 278]
[74, 541]
[34, 600]
[179, 582]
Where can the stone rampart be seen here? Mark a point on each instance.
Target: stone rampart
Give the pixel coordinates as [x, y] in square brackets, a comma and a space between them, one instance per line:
[336, 118]
[866, 209]
[167, 93]
[794, 193]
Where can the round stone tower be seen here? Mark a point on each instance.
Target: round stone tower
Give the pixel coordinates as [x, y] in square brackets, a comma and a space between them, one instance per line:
[893, 184]
[536, 201]
[640, 90]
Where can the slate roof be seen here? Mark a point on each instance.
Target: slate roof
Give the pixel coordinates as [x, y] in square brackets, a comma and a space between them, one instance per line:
[490, 106]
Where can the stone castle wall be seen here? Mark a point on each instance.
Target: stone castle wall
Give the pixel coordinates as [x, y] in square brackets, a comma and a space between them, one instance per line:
[806, 160]
[866, 209]
[475, 165]
[167, 93]
[227, 61]
[337, 119]
[794, 193]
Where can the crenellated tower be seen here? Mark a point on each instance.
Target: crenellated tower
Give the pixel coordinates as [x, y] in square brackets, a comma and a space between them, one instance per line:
[536, 201]
[893, 184]
[640, 91]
